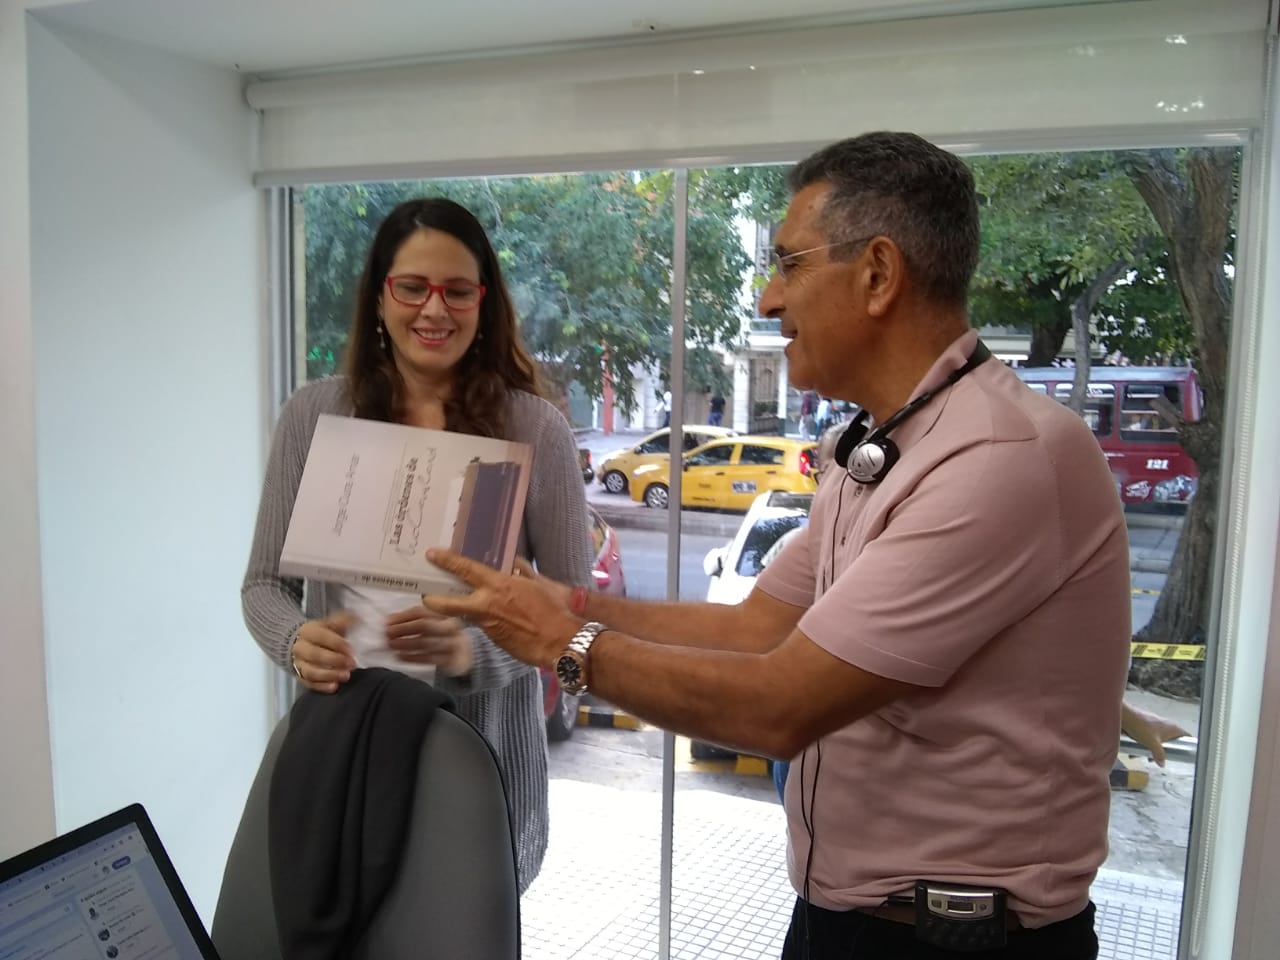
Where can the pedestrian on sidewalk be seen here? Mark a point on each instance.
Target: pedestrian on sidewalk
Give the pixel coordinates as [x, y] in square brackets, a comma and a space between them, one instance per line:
[822, 417]
[716, 417]
[808, 404]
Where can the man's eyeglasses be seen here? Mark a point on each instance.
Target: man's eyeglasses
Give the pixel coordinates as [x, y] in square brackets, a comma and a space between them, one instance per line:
[415, 291]
[778, 262]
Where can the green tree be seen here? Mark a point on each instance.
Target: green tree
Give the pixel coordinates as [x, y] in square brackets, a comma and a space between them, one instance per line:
[1060, 231]
[758, 192]
[1139, 318]
[762, 197]
[338, 228]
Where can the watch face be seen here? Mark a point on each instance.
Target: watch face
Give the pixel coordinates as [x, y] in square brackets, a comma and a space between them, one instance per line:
[569, 673]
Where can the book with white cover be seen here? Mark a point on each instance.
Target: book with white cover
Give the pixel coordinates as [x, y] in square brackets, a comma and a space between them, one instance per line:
[376, 496]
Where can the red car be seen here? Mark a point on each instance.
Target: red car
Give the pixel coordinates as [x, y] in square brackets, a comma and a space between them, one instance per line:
[561, 709]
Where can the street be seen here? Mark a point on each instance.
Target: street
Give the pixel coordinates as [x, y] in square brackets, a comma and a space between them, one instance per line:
[644, 563]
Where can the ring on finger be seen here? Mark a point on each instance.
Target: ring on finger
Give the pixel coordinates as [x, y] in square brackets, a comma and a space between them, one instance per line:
[293, 658]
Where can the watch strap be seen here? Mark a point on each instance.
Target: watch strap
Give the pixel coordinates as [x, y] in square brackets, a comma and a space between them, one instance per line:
[576, 652]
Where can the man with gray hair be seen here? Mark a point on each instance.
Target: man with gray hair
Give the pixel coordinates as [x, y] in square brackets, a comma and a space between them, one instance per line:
[942, 653]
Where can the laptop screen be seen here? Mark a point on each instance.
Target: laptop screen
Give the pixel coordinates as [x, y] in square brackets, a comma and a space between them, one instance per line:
[104, 892]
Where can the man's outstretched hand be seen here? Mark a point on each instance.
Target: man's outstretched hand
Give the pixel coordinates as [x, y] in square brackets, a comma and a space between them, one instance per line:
[524, 613]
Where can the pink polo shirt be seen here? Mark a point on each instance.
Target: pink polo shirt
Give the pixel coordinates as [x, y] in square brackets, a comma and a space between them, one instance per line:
[991, 570]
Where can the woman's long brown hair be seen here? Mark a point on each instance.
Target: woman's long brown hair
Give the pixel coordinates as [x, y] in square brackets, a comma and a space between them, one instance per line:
[495, 364]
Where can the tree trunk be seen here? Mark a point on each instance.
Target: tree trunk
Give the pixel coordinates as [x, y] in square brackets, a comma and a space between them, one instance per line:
[1192, 202]
[1081, 315]
[1046, 340]
[556, 377]
[1181, 613]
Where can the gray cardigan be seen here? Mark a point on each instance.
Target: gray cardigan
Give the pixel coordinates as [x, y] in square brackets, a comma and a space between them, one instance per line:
[501, 697]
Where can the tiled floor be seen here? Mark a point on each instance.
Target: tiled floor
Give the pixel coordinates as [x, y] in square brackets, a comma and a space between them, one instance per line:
[597, 897]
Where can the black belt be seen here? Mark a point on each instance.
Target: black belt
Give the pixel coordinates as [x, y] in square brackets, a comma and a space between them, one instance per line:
[906, 913]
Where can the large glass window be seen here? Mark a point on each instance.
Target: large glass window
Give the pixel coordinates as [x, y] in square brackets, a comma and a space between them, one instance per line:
[591, 264]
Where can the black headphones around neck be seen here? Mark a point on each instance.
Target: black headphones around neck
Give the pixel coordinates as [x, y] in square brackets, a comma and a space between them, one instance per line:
[868, 457]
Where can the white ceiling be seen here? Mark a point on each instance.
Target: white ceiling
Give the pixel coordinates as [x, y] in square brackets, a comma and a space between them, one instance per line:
[274, 36]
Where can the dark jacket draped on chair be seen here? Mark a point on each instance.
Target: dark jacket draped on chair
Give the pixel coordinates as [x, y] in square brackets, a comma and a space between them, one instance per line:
[340, 801]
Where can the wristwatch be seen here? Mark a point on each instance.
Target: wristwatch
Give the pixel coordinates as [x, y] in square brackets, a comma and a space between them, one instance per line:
[571, 666]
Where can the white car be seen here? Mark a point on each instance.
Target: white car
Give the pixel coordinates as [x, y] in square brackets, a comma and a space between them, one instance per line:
[771, 519]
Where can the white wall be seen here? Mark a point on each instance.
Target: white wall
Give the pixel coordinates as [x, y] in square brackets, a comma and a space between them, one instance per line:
[1257, 927]
[151, 370]
[1256, 734]
[26, 785]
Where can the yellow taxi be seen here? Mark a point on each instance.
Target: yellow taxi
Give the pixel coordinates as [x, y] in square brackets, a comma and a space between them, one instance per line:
[729, 473]
[616, 468]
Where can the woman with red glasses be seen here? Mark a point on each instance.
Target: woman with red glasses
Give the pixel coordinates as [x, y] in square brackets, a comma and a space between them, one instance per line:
[433, 343]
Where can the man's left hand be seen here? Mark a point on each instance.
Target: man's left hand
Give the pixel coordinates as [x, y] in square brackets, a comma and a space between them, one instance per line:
[525, 614]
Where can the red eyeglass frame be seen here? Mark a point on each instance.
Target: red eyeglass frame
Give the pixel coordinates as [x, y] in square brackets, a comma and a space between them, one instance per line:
[432, 290]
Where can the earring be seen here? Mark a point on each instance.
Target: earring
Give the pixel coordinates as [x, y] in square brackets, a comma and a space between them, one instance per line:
[382, 343]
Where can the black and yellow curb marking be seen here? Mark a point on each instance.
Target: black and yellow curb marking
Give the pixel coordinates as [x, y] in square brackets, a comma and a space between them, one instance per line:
[741, 765]
[751, 766]
[1144, 592]
[597, 717]
[1167, 651]
[1129, 773]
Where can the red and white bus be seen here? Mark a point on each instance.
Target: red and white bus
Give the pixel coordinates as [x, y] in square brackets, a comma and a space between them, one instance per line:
[1140, 444]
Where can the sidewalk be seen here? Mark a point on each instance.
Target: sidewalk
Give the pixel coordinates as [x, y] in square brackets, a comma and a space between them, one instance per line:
[1151, 546]
[600, 443]
[731, 896]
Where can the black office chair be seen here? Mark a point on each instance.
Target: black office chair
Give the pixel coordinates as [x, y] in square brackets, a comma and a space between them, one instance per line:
[455, 894]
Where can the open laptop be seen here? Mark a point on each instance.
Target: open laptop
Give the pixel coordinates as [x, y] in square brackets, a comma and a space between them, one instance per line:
[106, 891]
